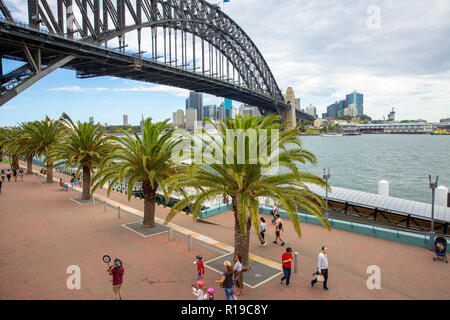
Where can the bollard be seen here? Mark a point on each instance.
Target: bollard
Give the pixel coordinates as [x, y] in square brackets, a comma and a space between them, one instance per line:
[170, 234]
[296, 262]
[93, 201]
[105, 204]
[118, 212]
[190, 242]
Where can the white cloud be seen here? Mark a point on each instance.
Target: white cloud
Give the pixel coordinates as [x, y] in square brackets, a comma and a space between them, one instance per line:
[157, 89]
[14, 107]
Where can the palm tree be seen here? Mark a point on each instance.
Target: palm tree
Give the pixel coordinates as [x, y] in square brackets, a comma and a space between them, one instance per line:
[25, 145]
[11, 145]
[86, 147]
[247, 182]
[44, 137]
[146, 159]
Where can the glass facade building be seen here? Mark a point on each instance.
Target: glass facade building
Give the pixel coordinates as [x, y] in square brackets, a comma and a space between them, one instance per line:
[332, 110]
[195, 101]
[357, 99]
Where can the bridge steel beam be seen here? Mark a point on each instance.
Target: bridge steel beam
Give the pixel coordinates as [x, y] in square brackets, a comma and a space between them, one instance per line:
[33, 79]
[222, 59]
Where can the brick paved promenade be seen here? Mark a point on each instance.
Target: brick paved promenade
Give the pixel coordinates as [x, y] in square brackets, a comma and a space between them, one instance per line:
[42, 232]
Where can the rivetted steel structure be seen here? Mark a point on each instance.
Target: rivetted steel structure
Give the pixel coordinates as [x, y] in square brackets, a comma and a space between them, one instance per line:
[222, 60]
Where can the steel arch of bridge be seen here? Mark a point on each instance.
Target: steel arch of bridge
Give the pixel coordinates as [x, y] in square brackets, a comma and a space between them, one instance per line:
[96, 22]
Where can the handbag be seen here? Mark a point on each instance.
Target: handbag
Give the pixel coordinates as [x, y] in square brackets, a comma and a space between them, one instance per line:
[320, 278]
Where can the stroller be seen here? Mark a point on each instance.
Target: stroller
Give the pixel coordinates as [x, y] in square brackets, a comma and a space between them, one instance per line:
[440, 248]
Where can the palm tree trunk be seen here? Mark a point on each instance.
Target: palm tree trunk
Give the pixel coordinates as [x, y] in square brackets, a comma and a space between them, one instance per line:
[15, 162]
[49, 173]
[30, 165]
[149, 204]
[241, 239]
[86, 183]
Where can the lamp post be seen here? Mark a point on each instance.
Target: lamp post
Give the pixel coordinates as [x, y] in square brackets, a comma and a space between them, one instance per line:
[433, 186]
[326, 176]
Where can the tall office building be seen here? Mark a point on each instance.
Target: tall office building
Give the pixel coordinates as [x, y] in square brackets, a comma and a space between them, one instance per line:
[227, 109]
[220, 112]
[195, 101]
[180, 119]
[358, 100]
[91, 119]
[191, 119]
[210, 111]
[297, 104]
[234, 112]
[311, 111]
[249, 111]
[332, 110]
[125, 120]
[341, 108]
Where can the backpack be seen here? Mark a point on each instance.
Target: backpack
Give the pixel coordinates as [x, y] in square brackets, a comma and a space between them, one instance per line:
[280, 226]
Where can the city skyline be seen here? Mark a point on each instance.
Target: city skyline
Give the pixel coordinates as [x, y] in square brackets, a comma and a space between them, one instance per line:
[410, 73]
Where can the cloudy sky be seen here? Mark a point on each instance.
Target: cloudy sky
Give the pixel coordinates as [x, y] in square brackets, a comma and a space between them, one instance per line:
[397, 53]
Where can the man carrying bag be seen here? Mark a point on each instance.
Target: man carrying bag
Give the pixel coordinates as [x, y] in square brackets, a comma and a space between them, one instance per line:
[322, 269]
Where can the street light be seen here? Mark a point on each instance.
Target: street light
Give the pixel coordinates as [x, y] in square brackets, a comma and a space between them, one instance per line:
[433, 186]
[326, 176]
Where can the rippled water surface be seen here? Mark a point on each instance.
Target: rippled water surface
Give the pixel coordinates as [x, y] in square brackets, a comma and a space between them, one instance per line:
[359, 162]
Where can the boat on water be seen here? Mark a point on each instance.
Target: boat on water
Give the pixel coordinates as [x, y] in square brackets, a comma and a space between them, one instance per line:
[331, 135]
[440, 133]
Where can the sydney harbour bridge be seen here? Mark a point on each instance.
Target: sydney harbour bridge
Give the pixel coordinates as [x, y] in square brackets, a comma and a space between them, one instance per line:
[189, 44]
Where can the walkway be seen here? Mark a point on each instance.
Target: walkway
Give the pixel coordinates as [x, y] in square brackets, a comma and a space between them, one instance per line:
[35, 218]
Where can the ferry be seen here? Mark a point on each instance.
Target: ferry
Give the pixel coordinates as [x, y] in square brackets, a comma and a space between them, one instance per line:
[331, 135]
[440, 133]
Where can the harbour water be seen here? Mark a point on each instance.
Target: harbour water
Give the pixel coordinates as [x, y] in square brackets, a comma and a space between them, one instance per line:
[359, 162]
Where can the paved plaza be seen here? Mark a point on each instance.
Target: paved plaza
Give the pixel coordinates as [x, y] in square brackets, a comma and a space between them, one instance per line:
[42, 232]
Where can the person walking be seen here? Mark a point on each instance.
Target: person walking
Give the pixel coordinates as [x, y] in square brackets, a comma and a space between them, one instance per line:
[322, 267]
[226, 281]
[15, 175]
[1, 183]
[117, 275]
[197, 290]
[274, 212]
[8, 175]
[262, 230]
[200, 268]
[278, 229]
[238, 275]
[3, 175]
[286, 260]
[21, 174]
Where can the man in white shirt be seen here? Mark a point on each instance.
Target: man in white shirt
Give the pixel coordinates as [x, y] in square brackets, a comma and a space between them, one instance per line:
[322, 267]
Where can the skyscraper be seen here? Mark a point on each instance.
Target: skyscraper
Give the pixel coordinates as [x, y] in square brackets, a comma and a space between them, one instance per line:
[332, 110]
[91, 119]
[125, 120]
[210, 111]
[227, 110]
[341, 108]
[195, 101]
[311, 111]
[191, 119]
[357, 99]
[297, 104]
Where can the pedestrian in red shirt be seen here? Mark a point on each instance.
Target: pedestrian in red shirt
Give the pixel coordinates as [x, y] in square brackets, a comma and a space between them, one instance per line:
[200, 268]
[286, 260]
[117, 272]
